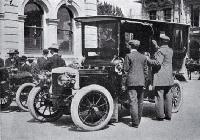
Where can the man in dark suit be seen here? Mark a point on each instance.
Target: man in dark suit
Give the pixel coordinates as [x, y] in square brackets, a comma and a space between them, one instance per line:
[1, 61]
[42, 61]
[24, 66]
[135, 67]
[163, 79]
[56, 60]
[11, 61]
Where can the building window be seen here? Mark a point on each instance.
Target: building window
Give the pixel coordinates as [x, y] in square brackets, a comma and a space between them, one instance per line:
[64, 31]
[195, 16]
[152, 15]
[167, 14]
[33, 28]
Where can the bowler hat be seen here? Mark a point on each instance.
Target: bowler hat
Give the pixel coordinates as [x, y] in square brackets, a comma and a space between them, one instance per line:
[45, 51]
[134, 42]
[16, 51]
[54, 46]
[23, 58]
[164, 37]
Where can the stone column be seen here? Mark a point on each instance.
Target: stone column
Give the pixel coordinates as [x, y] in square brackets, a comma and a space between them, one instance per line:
[50, 32]
[1, 35]
[9, 26]
[21, 19]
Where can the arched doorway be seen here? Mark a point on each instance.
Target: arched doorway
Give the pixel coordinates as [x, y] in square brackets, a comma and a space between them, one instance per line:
[64, 30]
[194, 50]
[33, 28]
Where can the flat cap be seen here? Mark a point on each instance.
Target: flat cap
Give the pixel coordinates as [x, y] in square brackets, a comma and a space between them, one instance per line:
[164, 37]
[134, 42]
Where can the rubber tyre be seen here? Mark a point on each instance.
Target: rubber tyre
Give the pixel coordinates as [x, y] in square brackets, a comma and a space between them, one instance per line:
[83, 93]
[177, 96]
[35, 113]
[8, 96]
[25, 86]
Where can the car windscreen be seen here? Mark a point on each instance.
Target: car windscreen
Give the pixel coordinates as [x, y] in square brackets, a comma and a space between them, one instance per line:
[100, 40]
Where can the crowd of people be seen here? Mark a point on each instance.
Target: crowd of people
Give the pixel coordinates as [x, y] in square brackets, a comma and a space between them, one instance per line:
[136, 71]
[44, 62]
[135, 68]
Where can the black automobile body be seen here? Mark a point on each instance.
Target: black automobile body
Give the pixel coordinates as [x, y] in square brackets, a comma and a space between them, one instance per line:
[10, 80]
[87, 92]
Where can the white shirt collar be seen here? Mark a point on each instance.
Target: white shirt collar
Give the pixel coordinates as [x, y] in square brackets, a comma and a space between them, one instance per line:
[133, 50]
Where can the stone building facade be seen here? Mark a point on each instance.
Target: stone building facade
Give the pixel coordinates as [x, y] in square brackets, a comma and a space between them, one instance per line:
[32, 25]
[179, 11]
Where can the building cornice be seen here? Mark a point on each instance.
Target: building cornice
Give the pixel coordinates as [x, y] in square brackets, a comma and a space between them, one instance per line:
[2, 15]
[21, 17]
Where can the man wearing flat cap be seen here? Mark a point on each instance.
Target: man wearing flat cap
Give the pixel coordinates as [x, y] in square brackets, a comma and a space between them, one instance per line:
[56, 60]
[135, 67]
[163, 79]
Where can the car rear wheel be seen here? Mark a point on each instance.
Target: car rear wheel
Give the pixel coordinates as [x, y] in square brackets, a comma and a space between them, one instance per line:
[6, 100]
[41, 107]
[22, 95]
[92, 108]
[177, 96]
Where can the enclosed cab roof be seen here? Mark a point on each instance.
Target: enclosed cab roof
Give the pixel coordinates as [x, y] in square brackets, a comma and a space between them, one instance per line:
[102, 18]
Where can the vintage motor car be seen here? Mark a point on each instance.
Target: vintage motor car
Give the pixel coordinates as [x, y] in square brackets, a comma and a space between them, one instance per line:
[90, 92]
[10, 80]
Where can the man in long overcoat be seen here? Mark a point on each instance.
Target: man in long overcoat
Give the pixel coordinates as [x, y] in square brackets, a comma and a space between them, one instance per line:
[163, 79]
[135, 67]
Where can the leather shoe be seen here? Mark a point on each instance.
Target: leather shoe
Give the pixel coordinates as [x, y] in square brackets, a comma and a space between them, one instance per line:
[158, 119]
[168, 118]
[133, 125]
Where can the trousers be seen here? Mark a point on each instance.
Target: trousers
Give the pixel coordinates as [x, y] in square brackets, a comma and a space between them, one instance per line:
[163, 101]
[136, 97]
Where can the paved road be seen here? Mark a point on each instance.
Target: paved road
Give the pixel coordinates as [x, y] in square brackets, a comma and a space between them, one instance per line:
[185, 125]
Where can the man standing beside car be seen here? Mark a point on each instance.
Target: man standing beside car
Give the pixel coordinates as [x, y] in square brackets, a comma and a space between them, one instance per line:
[56, 60]
[163, 79]
[42, 61]
[135, 67]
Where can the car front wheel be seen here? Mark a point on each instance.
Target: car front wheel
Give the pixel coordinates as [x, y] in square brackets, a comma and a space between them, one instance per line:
[92, 108]
[41, 107]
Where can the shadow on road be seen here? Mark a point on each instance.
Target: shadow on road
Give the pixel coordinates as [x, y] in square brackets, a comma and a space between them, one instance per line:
[12, 108]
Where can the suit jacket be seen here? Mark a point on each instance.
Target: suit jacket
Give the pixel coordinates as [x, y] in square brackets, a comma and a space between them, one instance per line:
[1, 62]
[54, 62]
[135, 67]
[10, 62]
[164, 77]
[42, 63]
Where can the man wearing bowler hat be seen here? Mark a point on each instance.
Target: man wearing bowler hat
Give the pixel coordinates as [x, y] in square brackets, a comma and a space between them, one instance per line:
[56, 60]
[135, 67]
[163, 79]
[11, 61]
